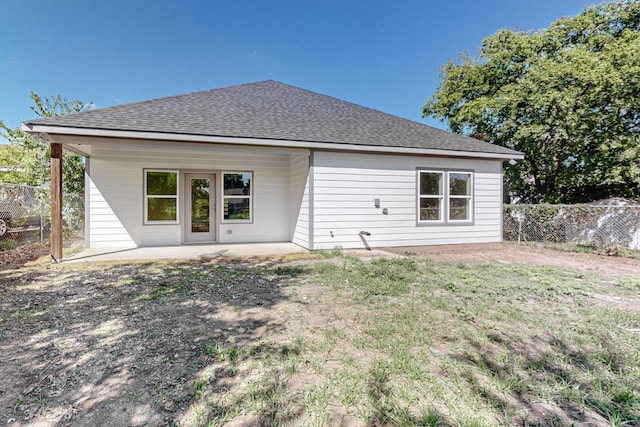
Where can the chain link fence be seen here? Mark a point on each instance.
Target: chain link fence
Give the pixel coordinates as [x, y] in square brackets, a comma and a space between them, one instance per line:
[25, 215]
[595, 225]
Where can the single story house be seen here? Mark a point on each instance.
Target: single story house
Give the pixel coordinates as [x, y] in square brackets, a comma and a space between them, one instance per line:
[269, 162]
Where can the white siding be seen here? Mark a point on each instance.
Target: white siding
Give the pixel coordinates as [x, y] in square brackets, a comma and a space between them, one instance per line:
[299, 193]
[116, 191]
[345, 186]
[104, 228]
[318, 207]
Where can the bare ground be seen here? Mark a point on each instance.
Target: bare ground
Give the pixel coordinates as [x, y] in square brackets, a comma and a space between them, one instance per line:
[20, 256]
[111, 344]
[610, 266]
[121, 345]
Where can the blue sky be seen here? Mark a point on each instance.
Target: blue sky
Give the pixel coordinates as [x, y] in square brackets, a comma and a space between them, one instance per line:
[381, 54]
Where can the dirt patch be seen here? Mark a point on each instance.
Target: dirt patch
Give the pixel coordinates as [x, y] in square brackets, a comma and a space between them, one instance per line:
[625, 303]
[610, 266]
[123, 344]
[16, 258]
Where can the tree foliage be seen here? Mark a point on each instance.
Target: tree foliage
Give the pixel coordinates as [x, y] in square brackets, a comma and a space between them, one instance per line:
[26, 160]
[17, 165]
[567, 96]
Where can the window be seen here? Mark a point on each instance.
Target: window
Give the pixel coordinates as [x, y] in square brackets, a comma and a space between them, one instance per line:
[431, 196]
[161, 196]
[459, 196]
[236, 196]
[445, 197]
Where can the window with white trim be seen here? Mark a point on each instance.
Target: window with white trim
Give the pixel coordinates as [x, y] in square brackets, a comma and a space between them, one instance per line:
[237, 196]
[445, 197]
[431, 194]
[459, 196]
[160, 196]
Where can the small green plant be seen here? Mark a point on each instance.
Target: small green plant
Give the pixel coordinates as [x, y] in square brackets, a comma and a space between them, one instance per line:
[232, 354]
[42, 405]
[8, 244]
[378, 379]
[211, 350]
[19, 403]
[199, 387]
[289, 270]
[430, 417]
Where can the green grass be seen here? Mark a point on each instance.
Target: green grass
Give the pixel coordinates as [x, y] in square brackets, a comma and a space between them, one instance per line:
[405, 341]
[492, 338]
[412, 342]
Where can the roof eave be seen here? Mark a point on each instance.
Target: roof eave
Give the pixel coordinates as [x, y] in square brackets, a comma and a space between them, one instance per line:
[34, 128]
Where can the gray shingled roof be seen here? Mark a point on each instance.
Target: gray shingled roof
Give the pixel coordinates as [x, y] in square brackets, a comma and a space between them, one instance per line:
[271, 110]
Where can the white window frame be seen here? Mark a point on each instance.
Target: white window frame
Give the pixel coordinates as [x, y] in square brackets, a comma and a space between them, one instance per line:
[237, 196]
[469, 198]
[445, 197]
[440, 197]
[145, 214]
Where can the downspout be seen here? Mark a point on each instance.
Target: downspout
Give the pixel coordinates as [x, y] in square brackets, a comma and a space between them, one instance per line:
[362, 235]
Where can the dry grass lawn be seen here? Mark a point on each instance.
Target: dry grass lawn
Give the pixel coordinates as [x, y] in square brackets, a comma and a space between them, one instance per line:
[323, 340]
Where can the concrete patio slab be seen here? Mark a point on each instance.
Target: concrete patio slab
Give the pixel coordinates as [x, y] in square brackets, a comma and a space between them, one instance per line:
[186, 252]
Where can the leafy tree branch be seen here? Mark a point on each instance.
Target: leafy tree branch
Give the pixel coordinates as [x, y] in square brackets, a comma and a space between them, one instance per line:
[567, 96]
[25, 160]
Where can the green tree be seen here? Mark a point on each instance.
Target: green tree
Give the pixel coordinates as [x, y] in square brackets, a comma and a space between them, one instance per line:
[17, 165]
[26, 159]
[567, 96]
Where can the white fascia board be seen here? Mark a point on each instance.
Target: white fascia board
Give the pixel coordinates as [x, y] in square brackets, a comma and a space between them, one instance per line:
[89, 143]
[78, 150]
[263, 142]
[48, 138]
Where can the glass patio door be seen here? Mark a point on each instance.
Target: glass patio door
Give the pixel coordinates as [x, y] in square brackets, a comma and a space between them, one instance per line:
[200, 208]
